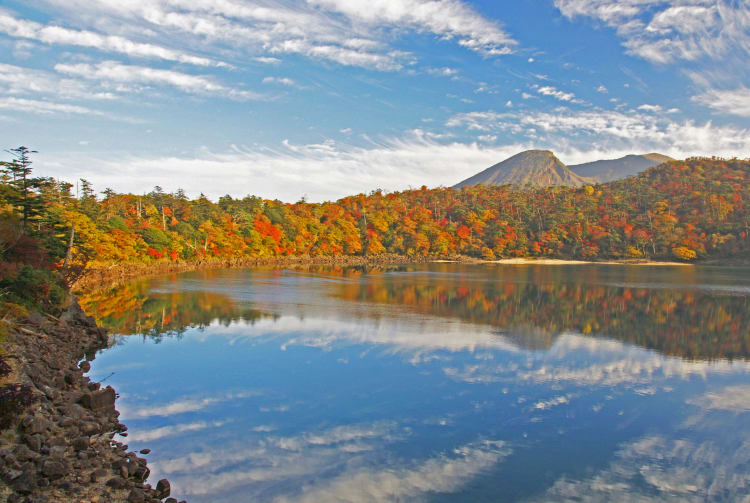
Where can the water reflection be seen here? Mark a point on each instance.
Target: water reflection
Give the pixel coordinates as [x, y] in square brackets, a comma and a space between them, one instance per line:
[439, 383]
[531, 306]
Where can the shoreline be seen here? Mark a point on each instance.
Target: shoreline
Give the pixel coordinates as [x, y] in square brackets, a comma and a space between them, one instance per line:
[59, 443]
[115, 274]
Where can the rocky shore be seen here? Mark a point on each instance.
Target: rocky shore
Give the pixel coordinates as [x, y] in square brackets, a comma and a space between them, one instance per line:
[59, 445]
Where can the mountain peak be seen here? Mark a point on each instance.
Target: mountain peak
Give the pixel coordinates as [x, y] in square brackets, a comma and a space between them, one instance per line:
[539, 168]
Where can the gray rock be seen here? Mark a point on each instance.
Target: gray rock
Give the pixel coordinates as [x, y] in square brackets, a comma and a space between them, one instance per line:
[117, 483]
[99, 474]
[170, 500]
[23, 453]
[81, 443]
[163, 488]
[57, 451]
[26, 482]
[136, 496]
[53, 469]
[34, 442]
[98, 400]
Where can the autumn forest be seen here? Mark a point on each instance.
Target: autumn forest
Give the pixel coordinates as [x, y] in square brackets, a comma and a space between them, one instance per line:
[688, 210]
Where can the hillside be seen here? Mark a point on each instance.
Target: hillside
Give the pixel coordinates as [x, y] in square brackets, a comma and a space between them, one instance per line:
[538, 168]
[615, 169]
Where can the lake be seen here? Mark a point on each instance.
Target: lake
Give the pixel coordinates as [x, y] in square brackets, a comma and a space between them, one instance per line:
[436, 382]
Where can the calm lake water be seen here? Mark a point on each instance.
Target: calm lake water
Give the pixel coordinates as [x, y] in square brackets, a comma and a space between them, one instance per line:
[437, 382]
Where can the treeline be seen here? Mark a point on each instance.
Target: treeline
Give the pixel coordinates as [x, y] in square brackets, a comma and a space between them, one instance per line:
[688, 210]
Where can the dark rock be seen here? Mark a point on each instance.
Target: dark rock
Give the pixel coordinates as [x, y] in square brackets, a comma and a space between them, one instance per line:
[163, 488]
[97, 400]
[57, 451]
[53, 469]
[93, 386]
[170, 500]
[142, 473]
[81, 443]
[99, 474]
[11, 474]
[85, 366]
[23, 453]
[117, 483]
[70, 378]
[14, 498]
[57, 442]
[145, 451]
[136, 496]
[26, 482]
[34, 442]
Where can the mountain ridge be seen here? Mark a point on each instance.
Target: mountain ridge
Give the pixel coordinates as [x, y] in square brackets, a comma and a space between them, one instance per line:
[541, 168]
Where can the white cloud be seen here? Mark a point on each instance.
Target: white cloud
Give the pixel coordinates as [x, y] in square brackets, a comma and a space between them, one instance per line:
[112, 71]
[729, 101]
[442, 474]
[581, 136]
[664, 31]
[443, 72]
[447, 18]
[284, 81]
[350, 33]
[16, 80]
[44, 107]
[57, 35]
[180, 406]
[556, 93]
[327, 170]
[602, 89]
[650, 108]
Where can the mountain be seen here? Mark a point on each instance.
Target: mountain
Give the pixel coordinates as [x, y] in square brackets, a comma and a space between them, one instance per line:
[615, 169]
[539, 168]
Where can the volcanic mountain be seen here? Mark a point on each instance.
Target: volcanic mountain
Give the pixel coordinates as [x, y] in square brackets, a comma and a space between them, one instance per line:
[539, 168]
[615, 169]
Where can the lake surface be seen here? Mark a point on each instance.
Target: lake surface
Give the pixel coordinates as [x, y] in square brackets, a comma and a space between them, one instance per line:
[437, 382]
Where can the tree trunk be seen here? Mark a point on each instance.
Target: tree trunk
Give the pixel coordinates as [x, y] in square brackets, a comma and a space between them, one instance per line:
[69, 254]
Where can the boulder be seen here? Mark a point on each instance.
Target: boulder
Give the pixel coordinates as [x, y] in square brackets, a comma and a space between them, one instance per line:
[97, 400]
[53, 469]
[163, 488]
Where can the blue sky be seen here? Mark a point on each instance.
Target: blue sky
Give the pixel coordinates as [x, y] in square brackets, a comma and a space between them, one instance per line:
[324, 98]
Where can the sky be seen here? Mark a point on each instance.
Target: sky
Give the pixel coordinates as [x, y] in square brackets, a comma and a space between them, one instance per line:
[319, 99]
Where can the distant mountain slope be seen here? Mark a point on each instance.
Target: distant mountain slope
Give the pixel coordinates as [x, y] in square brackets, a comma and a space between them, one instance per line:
[616, 169]
[539, 168]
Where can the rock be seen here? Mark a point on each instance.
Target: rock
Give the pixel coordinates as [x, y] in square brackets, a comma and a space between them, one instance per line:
[170, 500]
[99, 474]
[163, 488]
[145, 451]
[33, 425]
[81, 443]
[36, 319]
[117, 483]
[57, 451]
[53, 469]
[93, 386]
[25, 483]
[97, 400]
[136, 496]
[23, 453]
[70, 378]
[11, 474]
[34, 442]
[85, 366]
[142, 473]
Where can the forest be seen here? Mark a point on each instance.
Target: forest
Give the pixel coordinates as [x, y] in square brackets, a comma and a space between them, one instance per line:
[50, 233]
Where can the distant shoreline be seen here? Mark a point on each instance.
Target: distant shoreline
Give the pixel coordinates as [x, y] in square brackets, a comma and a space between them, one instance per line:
[554, 261]
[114, 274]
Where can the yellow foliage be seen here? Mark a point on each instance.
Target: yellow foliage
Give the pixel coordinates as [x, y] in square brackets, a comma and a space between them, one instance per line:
[684, 253]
